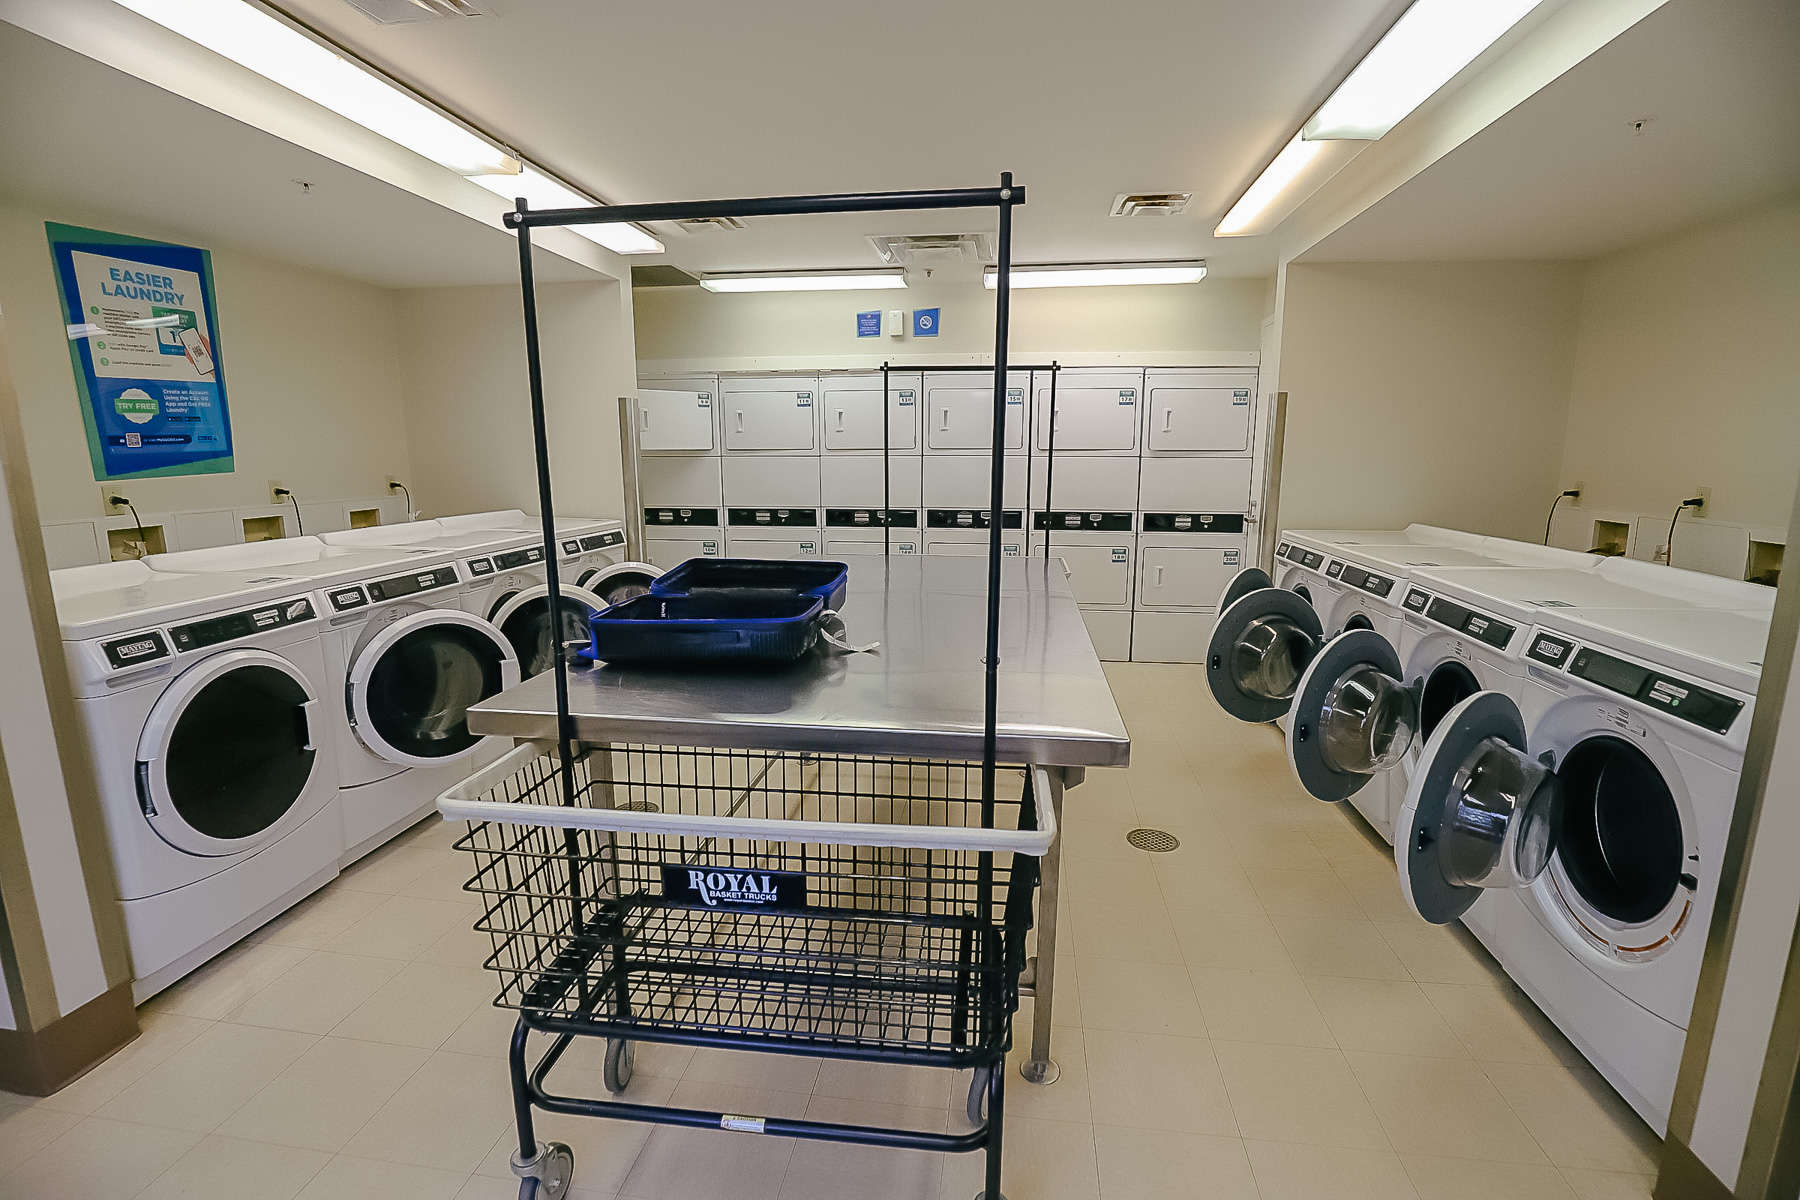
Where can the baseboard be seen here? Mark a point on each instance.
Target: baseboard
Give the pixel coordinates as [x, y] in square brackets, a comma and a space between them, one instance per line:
[1685, 1177]
[39, 1061]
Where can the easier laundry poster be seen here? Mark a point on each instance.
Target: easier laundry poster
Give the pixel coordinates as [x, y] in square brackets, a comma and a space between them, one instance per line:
[143, 332]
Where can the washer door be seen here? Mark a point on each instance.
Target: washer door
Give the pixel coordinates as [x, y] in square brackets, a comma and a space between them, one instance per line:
[1260, 646]
[1351, 717]
[1479, 813]
[227, 752]
[618, 582]
[523, 618]
[410, 687]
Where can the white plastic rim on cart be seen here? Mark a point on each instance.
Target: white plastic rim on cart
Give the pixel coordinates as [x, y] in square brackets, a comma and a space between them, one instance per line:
[159, 730]
[461, 802]
[356, 687]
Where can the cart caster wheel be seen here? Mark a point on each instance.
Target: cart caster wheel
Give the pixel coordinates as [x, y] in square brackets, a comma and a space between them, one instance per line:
[616, 1073]
[978, 1090]
[549, 1175]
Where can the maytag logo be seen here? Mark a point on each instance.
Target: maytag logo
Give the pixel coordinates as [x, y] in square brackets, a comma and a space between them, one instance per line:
[737, 888]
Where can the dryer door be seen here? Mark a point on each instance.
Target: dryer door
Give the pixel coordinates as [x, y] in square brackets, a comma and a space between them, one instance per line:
[1479, 812]
[523, 619]
[618, 582]
[1352, 718]
[411, 685]
[227, 752]
[1260, 646]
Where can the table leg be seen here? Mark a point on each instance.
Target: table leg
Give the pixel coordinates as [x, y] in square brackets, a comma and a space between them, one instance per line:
[1040, 1068]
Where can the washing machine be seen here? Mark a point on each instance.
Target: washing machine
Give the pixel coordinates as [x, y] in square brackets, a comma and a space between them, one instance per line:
[412, 660]
[202, 701]
[504, 581]
[1601, 802]
[591, 553]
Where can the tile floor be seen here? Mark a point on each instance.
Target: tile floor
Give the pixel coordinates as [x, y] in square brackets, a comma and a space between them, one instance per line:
[1253, 1015]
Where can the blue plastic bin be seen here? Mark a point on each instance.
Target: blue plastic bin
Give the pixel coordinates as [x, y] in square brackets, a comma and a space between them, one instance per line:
[716, 627]
[826, 580]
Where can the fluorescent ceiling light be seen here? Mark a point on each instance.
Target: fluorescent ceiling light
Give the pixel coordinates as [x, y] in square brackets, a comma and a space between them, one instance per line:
[1427, 46]
[252, 38]
[1098, 275]
[543, 191]
[805, 281]
[1288, 165]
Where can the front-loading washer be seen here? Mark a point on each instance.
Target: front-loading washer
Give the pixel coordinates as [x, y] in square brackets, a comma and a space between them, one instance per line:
[412, 660]
[201, 699]
[1604, 800]
[592, 550]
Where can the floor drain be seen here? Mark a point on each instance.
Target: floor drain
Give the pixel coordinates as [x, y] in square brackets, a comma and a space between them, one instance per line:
[1156, 841]
[640, 806]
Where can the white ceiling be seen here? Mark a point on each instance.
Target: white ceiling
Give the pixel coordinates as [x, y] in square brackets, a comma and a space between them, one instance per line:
[712, 98]
[176, 166]
[1563, 176]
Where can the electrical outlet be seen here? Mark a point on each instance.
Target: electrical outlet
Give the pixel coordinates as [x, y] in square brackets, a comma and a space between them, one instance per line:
[107, 506]
[275, 489]
[1705, 494]
[1579, 487]
[393, 482]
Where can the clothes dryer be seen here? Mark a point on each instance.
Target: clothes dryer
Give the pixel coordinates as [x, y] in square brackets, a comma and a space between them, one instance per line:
[201, 701]
[1604, 799]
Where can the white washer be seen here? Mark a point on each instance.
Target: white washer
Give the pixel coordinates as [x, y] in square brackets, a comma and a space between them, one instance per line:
[591, 555]
[1636, 722]
[201, 700]
[412, 660]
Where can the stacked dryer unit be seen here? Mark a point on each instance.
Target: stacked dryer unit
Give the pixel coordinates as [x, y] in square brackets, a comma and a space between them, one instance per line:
[1084, 499]
[681, 483]
[202, 700]
[958, 467]
[861, 515]
[1198, 436]
[770, 435]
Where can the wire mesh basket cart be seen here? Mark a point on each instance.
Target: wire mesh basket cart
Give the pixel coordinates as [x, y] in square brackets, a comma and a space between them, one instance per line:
[842, 906]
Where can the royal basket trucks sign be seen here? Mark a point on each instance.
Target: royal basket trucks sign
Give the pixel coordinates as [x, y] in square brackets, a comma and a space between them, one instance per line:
[143, 330]
[733, 887]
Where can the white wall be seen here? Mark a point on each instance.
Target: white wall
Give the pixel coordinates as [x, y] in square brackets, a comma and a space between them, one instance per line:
[1687, 372]
[1425, 392]
[468, 401]
[311, 373]
[1185, 324]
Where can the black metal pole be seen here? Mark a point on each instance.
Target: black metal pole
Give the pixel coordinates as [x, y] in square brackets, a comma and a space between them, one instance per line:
[886, 498]
[1050, 467]
[770, 206]
[540, 441]
[996, 503]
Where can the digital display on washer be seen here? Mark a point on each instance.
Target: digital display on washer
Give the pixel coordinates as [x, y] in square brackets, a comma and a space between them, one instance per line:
[571, 546]
[1495, 633]
[1335, 571]
[1368, 581]
[1678, 697]
[1109, 522]
[481, 566]
[345, 599]
[1311, 558]
[198, 635]
[518, 558]
[412, 585]
[600, 541]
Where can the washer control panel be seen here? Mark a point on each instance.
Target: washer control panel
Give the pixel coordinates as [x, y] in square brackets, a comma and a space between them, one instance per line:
[1678, 697]
[1480, 626]
[398, 586]
[197, 635]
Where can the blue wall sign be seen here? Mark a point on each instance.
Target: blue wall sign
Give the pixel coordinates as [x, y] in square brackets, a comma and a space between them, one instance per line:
[143, 330]
[868, 324]
[925, 322]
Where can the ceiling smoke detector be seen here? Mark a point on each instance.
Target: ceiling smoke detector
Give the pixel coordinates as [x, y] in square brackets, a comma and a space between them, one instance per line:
[932, 251]
[411, 12]
[1150, 204]
[709, 224]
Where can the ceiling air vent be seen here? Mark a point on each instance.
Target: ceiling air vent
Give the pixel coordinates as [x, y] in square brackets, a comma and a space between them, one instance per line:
[932, 250]
[1150, 204]
[409, 12]
[709, 224]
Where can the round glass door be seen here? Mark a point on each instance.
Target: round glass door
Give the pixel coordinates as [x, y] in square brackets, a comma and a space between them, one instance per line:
[1260, 647]
[524, 620]
[411, 686]
[227, 753]
[618, 582]
[1351, 717]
